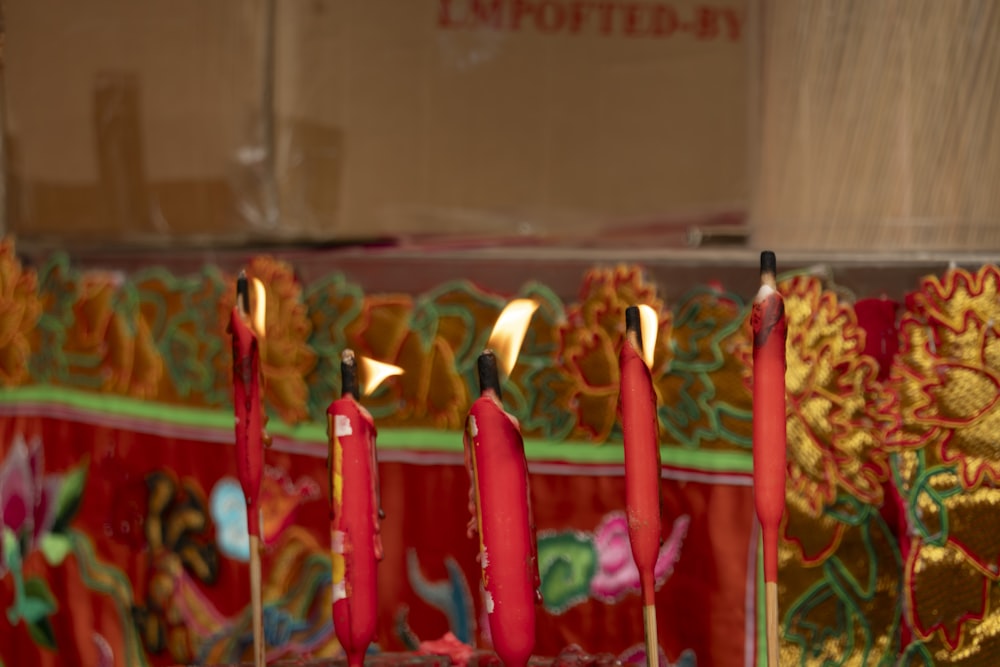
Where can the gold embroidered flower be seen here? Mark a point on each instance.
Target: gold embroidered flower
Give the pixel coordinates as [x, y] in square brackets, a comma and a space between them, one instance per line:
[948, 373]
[946, 381]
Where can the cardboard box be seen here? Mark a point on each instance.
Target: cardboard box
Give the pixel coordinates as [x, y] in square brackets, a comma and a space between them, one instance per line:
[125, 118]
[391, 117]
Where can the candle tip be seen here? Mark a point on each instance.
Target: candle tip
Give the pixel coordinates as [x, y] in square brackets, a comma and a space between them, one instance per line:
[768, 263]
[243, 293]
[348, 374]
[633, 327]
[489, 374]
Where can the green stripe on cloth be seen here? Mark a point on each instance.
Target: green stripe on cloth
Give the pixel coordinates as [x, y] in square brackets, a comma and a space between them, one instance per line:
[732, 462]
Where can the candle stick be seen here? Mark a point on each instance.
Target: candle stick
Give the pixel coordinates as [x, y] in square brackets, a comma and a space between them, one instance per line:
[501, 503]
[769, 334]
[355, 513]
[642, 470]
[249, 443]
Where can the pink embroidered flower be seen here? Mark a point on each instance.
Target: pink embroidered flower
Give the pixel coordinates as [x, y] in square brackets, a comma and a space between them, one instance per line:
[27, 497]
[617, 574]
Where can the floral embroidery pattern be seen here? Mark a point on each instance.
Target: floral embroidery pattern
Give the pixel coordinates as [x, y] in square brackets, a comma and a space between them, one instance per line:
[617, 574]
[35, 511]
[945, 468]
[703, 399]
[576, 566]
[923, 430]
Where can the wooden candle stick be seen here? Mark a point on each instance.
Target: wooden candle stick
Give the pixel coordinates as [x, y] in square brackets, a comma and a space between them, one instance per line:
[355, 514]
[769, 436]
[642, 471]
[501, 505]
[249, 444]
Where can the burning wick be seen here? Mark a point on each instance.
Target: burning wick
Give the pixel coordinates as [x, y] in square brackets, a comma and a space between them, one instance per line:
[489, 375]
[633, 328]
[348, 374]
[243, 294]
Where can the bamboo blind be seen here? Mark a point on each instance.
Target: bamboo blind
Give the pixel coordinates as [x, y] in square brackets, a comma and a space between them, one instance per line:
[877, 124]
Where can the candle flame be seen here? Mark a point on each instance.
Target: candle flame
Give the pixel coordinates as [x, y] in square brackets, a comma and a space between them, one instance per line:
[509, 331]
[649, 325]
[259, 307]
[374, 373]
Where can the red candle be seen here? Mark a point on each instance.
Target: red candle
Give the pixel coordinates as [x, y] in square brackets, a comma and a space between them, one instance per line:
[246, 390]
[769, 464]
[249, 443]
[355, 513]
[508, 555]
[642, 468]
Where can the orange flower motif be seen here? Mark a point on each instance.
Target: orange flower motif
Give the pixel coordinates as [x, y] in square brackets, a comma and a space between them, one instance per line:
[127, 359]
[285, 355]
[591, 338]
[382, 327]
[20, 308]
[430, 392]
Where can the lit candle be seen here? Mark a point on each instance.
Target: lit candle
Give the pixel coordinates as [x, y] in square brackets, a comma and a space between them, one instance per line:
[249, 437]
[507, 551]
[642, 469]
[355, 509]
[501, 503]
[769, 464]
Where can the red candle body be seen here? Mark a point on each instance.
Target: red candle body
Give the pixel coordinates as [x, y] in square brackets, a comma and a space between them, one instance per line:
[642, 465]
[356, 543]
[507, 545]
[249, 424]
[769, 436]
